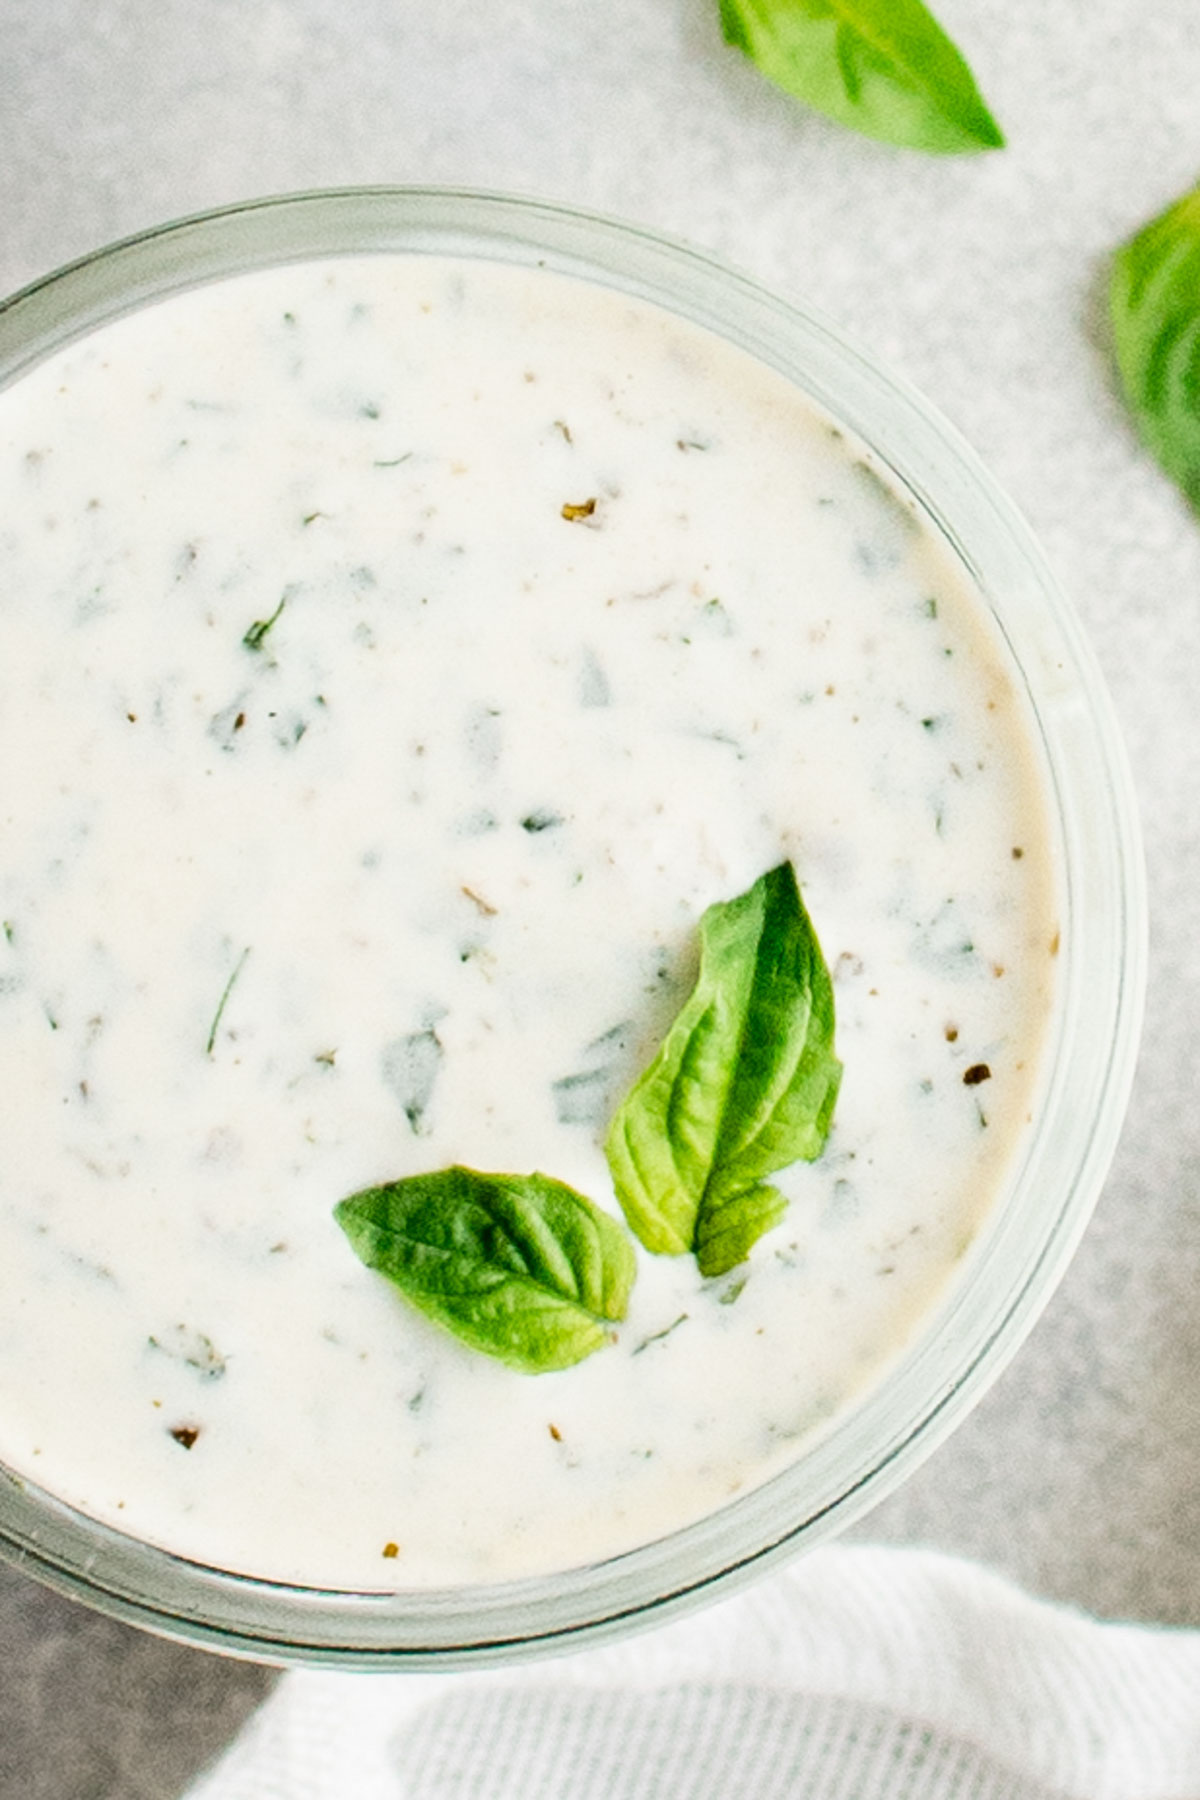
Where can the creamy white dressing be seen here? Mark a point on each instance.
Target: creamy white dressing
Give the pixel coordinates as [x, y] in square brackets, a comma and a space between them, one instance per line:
[412, 877]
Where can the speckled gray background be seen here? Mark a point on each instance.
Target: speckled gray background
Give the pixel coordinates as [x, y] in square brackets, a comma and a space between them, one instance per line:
[981, 279]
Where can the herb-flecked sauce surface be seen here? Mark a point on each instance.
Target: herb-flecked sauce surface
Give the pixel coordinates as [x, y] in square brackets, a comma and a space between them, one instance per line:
[399, 654]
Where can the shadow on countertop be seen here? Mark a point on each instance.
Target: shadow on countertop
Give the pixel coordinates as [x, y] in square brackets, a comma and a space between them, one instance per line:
[93, 1710]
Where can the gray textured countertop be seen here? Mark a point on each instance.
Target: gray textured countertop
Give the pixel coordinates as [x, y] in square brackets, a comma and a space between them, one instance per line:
[982, 280]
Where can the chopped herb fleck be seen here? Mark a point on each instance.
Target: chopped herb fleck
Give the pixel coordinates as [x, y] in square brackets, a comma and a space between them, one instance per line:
[289, 732]
[656, 1337]
[540, 820]
[193, 1348]
[582, 1099]
[253, 638]
[585, 1096]
[489, 912]
[410, 1068]
[221, 1004]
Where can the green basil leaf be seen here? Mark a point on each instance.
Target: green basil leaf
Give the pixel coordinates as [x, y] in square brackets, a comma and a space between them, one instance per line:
[883, 67]
[518, 1266]
[1155, 305]
[728, 1228]
[744, 1083]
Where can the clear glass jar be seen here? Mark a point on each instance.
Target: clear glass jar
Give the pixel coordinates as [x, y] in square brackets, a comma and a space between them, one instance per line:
[1021, 1253]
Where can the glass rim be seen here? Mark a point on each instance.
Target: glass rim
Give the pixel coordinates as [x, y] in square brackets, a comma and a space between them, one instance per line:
[1022, 1248]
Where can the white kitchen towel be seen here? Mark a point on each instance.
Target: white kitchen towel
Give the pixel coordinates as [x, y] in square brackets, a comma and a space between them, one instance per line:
[856, 1674]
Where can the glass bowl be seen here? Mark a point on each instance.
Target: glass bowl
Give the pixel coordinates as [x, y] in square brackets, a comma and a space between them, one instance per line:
[1021, 1252]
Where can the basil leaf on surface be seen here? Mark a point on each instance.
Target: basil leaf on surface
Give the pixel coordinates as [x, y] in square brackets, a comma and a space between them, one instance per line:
[883, 67]
[743, 1084]
[1154, 298]
[728, 1229]
[518, 1266]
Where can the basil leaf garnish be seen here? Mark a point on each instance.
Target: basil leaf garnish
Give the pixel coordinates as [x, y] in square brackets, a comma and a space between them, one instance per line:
[519, 1266]
[1154, 298]
[743, 1084]
[883, 67]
